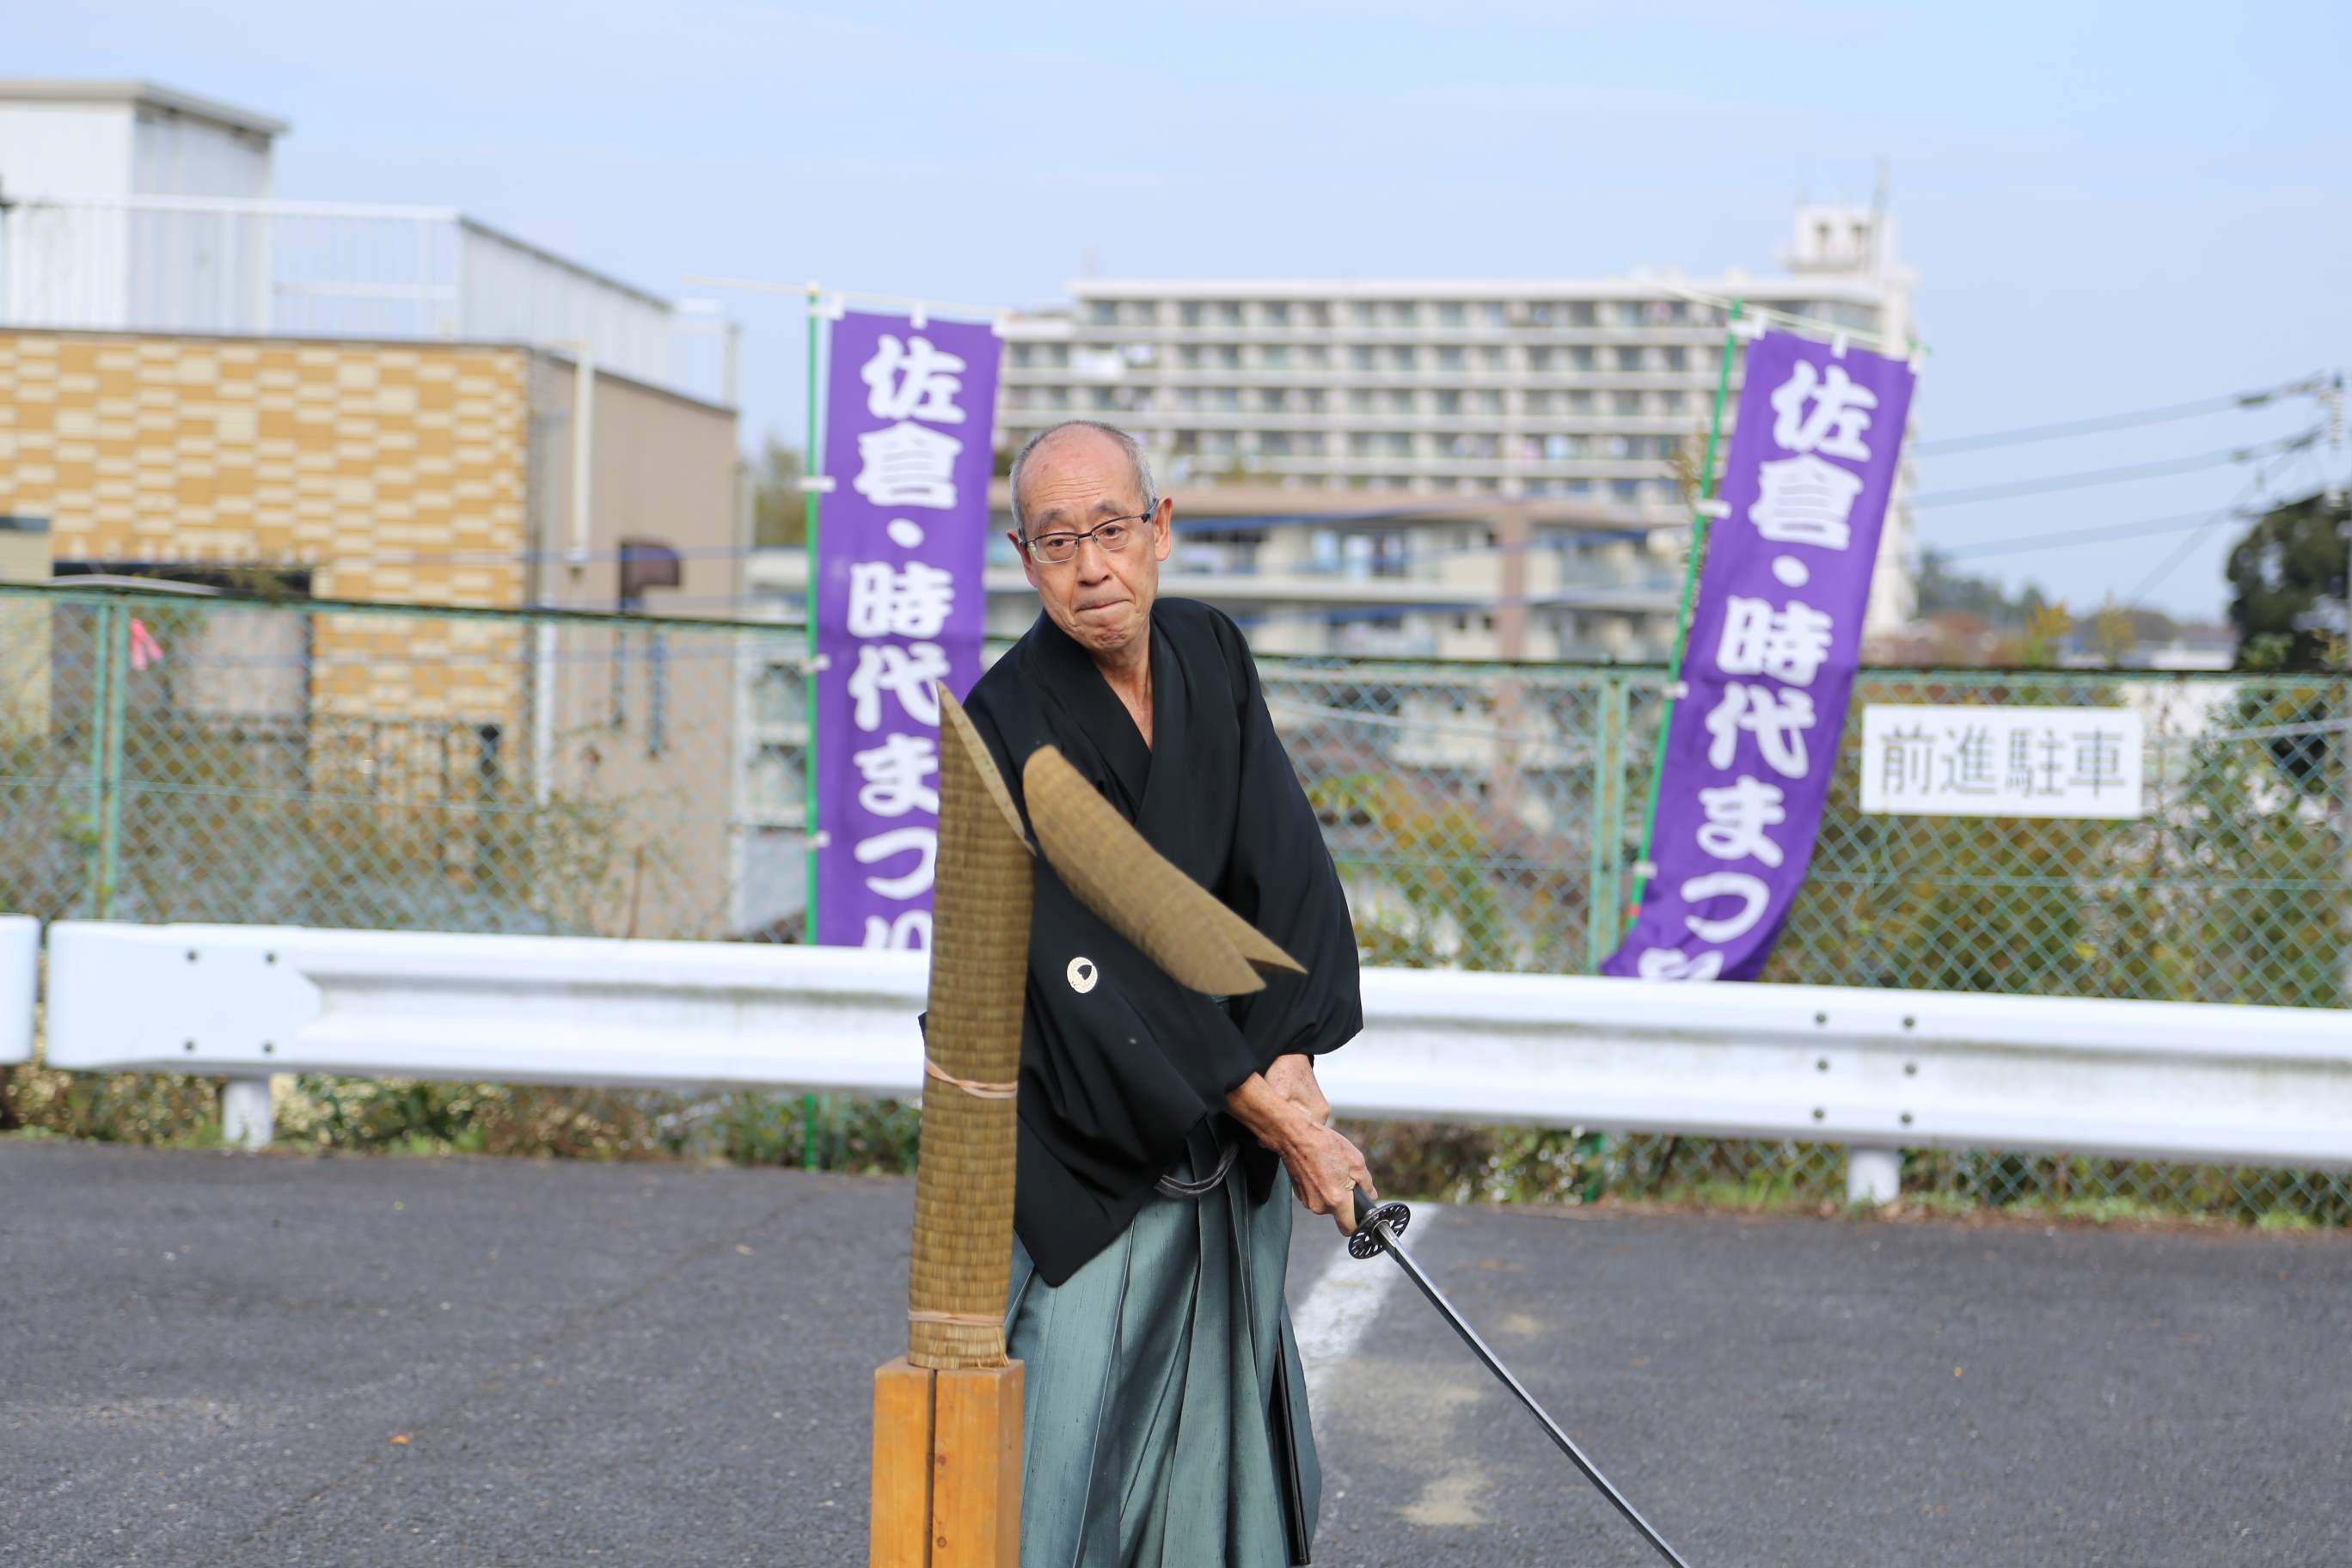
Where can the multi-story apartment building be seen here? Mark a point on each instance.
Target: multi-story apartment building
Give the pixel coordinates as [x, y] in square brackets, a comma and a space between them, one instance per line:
[1429, 454]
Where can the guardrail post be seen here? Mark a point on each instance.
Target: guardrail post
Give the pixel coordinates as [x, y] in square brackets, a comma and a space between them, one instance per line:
[1874, 1175]
[245, 1118]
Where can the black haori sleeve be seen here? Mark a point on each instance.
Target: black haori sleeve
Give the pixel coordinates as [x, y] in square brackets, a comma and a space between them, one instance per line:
[1282, 880]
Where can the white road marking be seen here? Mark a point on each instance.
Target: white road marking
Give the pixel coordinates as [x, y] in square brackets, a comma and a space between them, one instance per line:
[1331, 1323]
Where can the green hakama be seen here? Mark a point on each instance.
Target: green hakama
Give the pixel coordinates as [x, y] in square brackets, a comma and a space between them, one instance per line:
[1163, 1391]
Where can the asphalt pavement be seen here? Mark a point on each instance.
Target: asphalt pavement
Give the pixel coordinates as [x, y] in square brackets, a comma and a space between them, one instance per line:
[216, 1358]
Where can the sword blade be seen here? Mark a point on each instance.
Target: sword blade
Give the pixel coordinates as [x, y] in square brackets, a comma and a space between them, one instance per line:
[1395, 1250]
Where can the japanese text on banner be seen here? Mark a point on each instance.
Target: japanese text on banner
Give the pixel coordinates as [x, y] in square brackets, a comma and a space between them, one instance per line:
[908, 419]
[1774, 641]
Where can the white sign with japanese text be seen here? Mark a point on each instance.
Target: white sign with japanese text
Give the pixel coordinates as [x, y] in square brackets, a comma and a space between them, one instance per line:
[2000, 762]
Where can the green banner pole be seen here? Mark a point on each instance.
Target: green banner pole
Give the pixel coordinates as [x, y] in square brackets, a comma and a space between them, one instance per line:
[1645, 868]
[812, 467]
[101, 720]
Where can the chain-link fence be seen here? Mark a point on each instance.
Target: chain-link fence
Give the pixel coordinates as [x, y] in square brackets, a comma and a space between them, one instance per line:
[171, 757]
[182, 758]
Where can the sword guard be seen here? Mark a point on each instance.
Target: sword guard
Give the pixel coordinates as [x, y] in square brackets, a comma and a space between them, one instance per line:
[1370, 1219]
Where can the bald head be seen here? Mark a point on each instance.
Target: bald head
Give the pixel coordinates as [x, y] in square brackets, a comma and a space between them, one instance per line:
[1057, 440]
[1076, 480]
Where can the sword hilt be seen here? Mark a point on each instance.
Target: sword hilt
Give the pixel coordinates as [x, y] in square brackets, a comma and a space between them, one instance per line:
[1372, 1218]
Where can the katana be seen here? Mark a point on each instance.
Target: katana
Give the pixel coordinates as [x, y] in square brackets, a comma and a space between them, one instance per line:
[1378, 1227]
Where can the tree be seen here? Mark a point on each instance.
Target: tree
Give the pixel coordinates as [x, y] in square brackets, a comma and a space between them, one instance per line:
[2288, 578]
[779, 505]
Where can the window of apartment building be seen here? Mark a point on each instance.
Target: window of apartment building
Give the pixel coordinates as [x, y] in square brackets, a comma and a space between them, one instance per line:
[1541, 314]
[1404, 313]
[1481, 446]
[1103, 399]
[1318, 314]
[1629, 356]
[1187, 357]
[1217, 443]
[1491, 315]
[1188, 398]
[1627, 493]
[1541, 359]
[1625, 402]
[1314, 356]
[1307, 443]
[1489, 357]
[1019, 355]
[1627, 312]
[1226, 313]
[1400, 400]
[1583, 358]
[1310, 401]
[1562, 448]
[1486, 400]
[1227, 399]
[1396, 444]
[1275, 356]
[1677, 358]
[1404, 356]
[1275, 313]
[1451, 358]
[1102, 312]
[1227, 356]
[1274, 444]
[1584, 313]
[1360, 400]
[1453, 313]
[1671, 401]
[1361, 356]
[1189, 313]
[1449, 402]
[1362, 313]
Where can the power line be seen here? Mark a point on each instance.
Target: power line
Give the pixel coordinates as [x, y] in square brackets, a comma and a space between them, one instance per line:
[2117, 476]
[2093, 425]
[2022, 544]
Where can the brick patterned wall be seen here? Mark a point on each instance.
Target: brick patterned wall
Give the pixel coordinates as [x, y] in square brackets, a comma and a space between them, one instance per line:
[388, 471]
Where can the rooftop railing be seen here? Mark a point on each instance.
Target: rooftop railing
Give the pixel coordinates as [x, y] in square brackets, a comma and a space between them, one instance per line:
[333, 269]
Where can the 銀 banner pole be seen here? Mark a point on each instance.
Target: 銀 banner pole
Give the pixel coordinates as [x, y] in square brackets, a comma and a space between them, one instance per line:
[1700, 513]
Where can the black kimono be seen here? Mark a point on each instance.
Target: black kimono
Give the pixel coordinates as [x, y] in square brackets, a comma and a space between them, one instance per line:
[1120, 1064]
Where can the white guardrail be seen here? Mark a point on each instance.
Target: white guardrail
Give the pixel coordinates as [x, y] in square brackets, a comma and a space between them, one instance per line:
[1876, 1070]
[20, 964]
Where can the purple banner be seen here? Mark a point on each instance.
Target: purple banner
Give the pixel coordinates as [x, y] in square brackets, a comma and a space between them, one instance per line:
[1774, 641]
[909, 412]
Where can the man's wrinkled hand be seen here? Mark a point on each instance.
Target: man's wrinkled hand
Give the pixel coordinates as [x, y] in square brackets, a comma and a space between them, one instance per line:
[1325, 1169]
[1293, 1078]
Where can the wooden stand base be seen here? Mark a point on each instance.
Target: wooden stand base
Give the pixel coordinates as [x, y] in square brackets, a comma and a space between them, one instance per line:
[947, 1467]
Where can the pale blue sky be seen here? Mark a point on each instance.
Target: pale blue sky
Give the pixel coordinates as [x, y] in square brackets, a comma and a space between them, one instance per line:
[2109, 207]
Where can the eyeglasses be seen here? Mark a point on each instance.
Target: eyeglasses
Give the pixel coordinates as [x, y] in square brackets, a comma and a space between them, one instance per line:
[1112, 535]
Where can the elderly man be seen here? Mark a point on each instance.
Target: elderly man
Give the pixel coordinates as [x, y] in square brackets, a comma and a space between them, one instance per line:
[1162, 1132]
